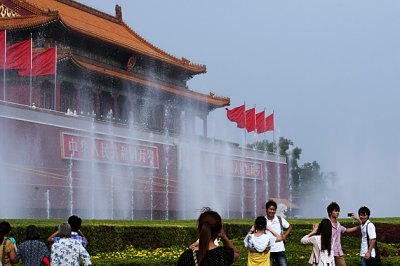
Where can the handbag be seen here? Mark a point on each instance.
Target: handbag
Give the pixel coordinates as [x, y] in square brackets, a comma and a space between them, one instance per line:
[45, 261]
[4, 251]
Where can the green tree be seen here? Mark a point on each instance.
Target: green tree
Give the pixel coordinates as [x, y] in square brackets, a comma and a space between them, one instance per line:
[303, 178]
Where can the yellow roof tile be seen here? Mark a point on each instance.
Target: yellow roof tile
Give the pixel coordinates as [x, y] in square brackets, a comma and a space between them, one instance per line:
[97, 24]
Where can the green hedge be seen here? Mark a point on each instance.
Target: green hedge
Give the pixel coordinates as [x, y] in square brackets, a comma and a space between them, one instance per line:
[108, 238]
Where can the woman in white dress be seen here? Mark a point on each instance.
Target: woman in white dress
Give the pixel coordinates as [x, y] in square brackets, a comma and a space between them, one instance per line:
[321, 239]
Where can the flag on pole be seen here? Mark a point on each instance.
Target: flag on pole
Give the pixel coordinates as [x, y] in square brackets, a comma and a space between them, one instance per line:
[18, 55]
[237, 115]
[260, 122]
[43, 63]
[251, 119]
[269, 123]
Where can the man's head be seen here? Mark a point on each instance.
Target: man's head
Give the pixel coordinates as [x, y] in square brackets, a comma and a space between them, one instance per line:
[333, 209]
[75, 222]
[270, 208]
[364, 214]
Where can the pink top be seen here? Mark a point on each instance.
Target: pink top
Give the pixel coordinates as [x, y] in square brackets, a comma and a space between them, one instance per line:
[336, 234]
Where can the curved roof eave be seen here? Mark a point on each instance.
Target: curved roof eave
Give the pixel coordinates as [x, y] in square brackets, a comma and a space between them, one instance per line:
[212, 100]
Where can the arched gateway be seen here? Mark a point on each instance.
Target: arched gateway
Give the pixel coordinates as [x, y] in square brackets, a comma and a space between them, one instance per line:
[111, 135]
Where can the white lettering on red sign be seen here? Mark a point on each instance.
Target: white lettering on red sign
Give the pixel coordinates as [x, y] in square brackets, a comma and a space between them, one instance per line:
[232, 166]
[109, 151]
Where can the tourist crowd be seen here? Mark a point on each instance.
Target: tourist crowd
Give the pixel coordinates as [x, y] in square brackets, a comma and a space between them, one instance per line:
[266, 239]
[69, 246]
[265, 242]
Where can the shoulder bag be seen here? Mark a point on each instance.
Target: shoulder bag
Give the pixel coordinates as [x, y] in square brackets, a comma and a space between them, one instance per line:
[377, 260]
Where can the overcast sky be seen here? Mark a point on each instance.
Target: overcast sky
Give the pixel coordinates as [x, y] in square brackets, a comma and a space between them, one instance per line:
[329, 69]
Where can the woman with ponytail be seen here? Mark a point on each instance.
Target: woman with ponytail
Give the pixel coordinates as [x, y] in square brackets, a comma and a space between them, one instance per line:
[321, 239]
[208, 229]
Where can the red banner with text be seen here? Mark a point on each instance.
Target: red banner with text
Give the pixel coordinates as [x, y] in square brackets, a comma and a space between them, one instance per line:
[77, 147]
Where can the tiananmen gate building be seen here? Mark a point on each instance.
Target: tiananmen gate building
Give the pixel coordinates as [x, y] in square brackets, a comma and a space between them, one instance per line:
[103, 126]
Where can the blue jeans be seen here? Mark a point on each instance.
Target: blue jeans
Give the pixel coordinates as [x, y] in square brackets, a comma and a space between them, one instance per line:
[363, 261]
[370, 262]
[278, 258]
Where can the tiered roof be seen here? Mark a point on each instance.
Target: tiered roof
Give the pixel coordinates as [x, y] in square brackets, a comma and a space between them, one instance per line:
[93, 23]
[104, 27]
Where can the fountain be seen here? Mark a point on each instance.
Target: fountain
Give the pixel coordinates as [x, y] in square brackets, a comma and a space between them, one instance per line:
[114, 137]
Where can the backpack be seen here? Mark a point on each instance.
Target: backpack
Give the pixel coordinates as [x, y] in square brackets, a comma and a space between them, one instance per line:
[377, 260]
[282, 231]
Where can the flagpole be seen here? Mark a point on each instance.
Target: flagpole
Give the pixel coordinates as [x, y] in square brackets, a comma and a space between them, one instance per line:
[245, 133]
[255, 124]
[30, 77]
[265, 132]
[55, 78]
[273, 131]
[4, 65]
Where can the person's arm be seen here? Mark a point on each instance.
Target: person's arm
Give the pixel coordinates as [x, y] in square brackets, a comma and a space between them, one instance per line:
[13, 256]
[246, 240]
[53, 235]
[194, 245]
[307, 238]
[277, 236]
[285, 235]
[228, 243]
[356, 218]
[355, 228]
[371, 246]
[352, 229]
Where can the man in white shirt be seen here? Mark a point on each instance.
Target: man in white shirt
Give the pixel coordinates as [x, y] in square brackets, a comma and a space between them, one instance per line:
[277, 224]
[367, 251]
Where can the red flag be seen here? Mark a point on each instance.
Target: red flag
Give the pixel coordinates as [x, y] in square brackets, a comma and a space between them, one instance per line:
[237, 115]
[43, 63]
[2, 47]
[269, 123]
[260, 122]
[251, 119]
[19, 55]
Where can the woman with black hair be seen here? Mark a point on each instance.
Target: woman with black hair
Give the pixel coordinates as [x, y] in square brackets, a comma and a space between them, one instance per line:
[7, 249]
[321, 239]
[208, 229]
[32, 250]
[258, 241]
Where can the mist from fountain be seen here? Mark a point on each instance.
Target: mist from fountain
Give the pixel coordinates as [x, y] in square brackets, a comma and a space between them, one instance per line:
[70, 187]
[107, 189]
[48, 206]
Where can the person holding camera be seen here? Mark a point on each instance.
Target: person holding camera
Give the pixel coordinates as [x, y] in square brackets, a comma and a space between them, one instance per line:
[333, 210]
[76, 233]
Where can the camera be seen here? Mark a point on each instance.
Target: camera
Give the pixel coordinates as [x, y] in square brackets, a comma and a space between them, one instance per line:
[349, 214]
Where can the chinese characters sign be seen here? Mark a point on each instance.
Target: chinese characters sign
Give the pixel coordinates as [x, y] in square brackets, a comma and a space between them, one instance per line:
[78, 147]
[232, 166]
